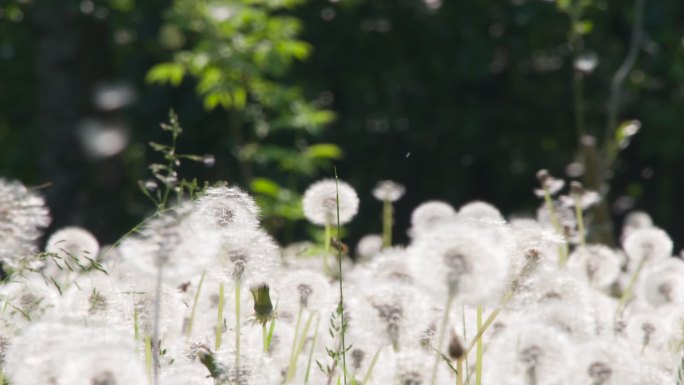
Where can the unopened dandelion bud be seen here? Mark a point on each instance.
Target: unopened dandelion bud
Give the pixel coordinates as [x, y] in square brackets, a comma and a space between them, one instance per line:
[263, 307]
[456, 349]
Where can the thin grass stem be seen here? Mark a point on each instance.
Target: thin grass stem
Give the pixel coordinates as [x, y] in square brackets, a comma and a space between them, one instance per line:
[339, 262]
[369, 372]
[440, 339]
[292, 366]
[219, 318]
[313, 346]
[479, 352]
[188, 331]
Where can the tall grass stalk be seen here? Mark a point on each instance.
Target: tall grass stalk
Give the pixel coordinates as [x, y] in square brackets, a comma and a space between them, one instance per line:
[219, 318]
[339, 263]
[440, 338]
[387, 221]
[191, 321]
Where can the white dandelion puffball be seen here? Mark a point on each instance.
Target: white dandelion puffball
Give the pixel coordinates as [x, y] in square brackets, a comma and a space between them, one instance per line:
[650, 243]
[388, 191]
[429, 213]
[597, 263]
[663, 284]
[528, 349]
[73, 245]
[369, 246]
[457, 258]
[482, 212]
[226, 209]
[23, 215]
[320, 202]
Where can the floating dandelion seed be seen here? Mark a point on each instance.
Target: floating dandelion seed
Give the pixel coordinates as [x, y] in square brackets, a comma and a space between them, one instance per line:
[320, 202]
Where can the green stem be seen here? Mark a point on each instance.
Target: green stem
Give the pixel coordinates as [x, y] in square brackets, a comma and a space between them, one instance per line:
[326, 248]
[442, 332]
[219, 320]
[188, 331]
[136, 327]
[148, 358]
[580, 220]
[264, 335]
[237, 327]
[367, 377]
[459, 371]
[339, 262]
[387, 219]
[313, 346]
[292, 367]
[562, 249]
[465, 338]
[303, 337]
[478, 363]
[627, 293]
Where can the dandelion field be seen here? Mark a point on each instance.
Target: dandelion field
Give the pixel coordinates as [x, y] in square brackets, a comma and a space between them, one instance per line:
[474, 298]
[348, 201]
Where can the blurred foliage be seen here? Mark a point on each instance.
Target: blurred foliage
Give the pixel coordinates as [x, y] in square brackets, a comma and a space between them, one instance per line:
[457, 100]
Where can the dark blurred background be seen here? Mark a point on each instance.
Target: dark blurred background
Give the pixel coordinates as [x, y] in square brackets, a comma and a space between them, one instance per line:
[457, 100]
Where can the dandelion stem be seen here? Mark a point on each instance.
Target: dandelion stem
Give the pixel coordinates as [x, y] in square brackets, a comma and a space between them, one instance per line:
[157, 320]
[136, 327]
[459, 371]
[465, 338]
[219, 319]
[313, 346]
[237, 327]
[339, 262]
[442, 333]
[488, 322]
[292, 367]
[326, 247]
[562, 248]
[264, 336]
[627, 293]
[367, 377]
[387, 219]
[148, 358]
[478, 363]
[580, 220]
[188, 331]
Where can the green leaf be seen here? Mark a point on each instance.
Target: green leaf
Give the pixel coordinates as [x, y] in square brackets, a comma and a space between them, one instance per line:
[324, 151]
[166, 73]
[584, 27]
[265, 186]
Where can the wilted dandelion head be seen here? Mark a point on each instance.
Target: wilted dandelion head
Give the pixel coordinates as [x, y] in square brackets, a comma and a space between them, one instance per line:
[388, 191]
[369, 246]
[430, 213]
[649, 243]
[320, 202]
[226, 209]
[548, 183]
[23, 215]
[597, 263]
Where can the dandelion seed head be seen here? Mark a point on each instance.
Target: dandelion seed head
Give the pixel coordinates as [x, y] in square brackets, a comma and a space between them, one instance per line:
[548, 184]
[310, 289]
[320, 202]
[430, 213]
[650, 243]
[250, 261]
[481, 211]
[388, 191]
[646, 330]
[663, 284]
[369, 246]
[23, 215]
[598, 264]
[393, 264]
[457, 258]
[226, 209]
